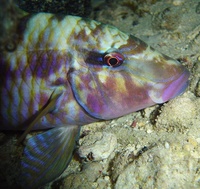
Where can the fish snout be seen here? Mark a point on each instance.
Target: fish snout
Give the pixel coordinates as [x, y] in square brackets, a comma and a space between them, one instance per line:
[162, 92]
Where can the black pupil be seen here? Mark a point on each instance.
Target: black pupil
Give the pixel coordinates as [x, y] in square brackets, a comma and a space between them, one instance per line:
[113, 61]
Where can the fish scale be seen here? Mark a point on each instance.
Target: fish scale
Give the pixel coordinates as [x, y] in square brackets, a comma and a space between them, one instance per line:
[66, 72]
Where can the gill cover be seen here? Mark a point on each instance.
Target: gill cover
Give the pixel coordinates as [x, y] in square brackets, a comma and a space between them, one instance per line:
[101, 88]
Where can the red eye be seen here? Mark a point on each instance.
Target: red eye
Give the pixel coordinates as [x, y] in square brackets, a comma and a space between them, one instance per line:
[114, 59]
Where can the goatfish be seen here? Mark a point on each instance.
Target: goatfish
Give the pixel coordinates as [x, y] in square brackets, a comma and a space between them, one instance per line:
[66, 72]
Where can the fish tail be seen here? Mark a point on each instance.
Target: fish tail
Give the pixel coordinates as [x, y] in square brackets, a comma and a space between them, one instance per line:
[47, 155]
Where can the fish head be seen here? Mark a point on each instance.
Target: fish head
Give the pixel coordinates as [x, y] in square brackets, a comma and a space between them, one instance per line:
[122, 74]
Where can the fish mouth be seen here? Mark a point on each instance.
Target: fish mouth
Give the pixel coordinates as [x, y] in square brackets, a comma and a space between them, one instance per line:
[162, 92]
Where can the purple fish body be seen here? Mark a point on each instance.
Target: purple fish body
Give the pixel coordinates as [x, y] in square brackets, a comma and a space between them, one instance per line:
[67, 72]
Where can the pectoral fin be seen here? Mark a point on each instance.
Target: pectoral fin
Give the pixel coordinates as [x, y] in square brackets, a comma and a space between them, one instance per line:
[54, 98]
[47, 155]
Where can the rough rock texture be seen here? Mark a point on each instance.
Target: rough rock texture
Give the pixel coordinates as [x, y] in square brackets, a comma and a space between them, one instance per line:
[80, 7]
[158, 147]
[96, 147]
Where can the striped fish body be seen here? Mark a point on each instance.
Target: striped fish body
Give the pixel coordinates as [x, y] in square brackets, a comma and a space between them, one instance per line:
[40, 64]
[68, 71]
[68, 54]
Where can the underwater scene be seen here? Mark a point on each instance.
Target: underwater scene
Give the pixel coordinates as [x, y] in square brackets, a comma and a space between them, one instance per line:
[99, 94]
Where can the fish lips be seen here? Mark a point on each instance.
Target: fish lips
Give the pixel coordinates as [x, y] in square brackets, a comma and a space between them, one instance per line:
[164, 91]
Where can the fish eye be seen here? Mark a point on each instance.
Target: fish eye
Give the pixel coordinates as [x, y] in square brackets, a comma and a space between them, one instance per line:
[113, 59]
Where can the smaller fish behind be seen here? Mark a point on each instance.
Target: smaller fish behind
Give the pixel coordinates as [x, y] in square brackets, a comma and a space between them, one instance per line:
[67, 72]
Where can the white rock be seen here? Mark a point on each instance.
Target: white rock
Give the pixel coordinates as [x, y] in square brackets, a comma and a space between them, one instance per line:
[97, 146]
